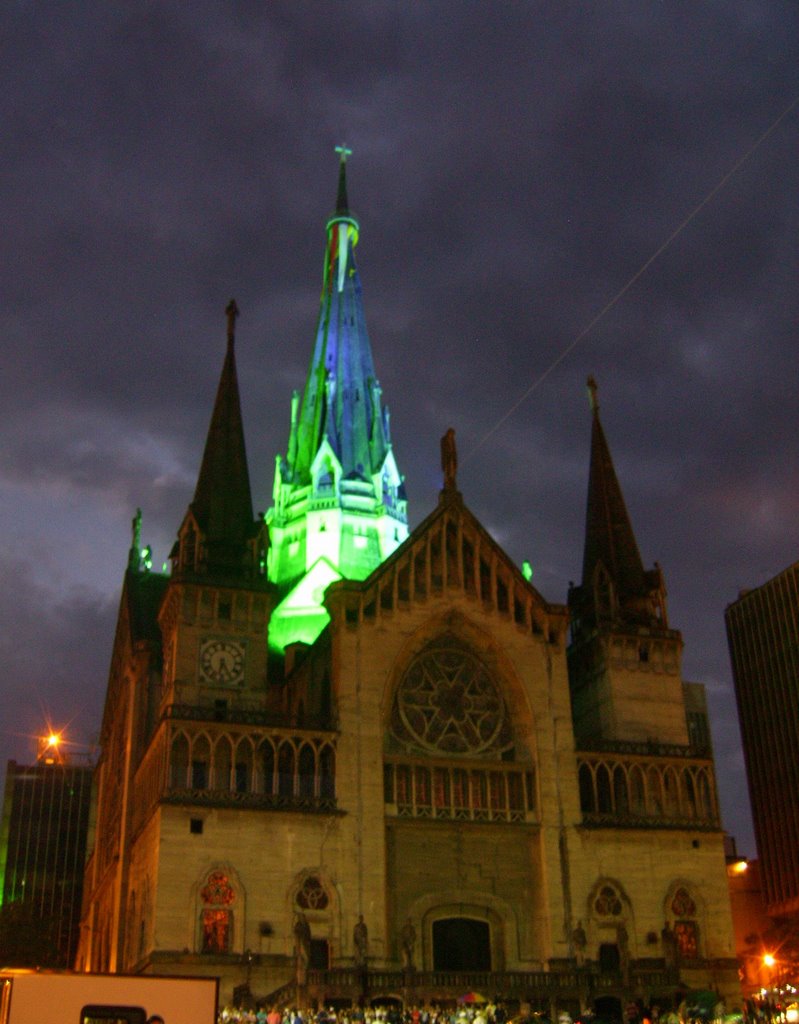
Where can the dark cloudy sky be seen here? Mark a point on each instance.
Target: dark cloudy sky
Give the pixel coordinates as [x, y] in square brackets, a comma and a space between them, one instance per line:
[515, 164]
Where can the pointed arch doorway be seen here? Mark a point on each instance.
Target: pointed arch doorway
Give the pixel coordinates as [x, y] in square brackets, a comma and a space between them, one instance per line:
[461, 944]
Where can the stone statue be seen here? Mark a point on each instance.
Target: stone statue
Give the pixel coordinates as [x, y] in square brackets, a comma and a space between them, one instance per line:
[134, 556]
[360, 940]
[408, 939]
[668, 942]
[302, 947]
[579, 941]
[449, 460]
[623, 941]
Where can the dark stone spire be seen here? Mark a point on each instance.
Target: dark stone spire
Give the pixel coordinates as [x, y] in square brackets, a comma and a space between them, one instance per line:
[615, 585]
[609, 536]
[222, 505]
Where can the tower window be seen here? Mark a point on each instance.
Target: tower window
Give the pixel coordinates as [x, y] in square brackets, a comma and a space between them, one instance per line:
[196, 826]
[199, 774]
[224, 608]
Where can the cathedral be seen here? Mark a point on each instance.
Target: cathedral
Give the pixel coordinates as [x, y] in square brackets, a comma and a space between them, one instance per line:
[348, 762]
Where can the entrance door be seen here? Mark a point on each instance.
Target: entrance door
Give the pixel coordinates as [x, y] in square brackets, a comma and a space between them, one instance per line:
[319, 959]
[609, 958]
[461, 944]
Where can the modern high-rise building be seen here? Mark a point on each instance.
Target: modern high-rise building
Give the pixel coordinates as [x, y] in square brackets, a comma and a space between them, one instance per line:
[345, 761]
[763, 635]
[43, 836]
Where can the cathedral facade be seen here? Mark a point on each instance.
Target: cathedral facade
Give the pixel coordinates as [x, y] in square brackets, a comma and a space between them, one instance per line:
[345, 761]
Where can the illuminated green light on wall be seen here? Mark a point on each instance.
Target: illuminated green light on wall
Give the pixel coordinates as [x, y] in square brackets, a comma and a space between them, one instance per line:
[301, 614]
[527, 570]
[290, 629]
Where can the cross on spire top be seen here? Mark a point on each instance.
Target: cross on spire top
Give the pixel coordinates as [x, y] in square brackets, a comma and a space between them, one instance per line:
[343, 151]
[592, 394]
[231, 312]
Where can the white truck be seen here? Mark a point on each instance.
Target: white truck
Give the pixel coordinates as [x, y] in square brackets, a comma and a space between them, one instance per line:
[55, 997]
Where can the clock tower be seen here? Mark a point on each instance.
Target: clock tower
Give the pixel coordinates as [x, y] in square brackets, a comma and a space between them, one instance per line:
[215, 610]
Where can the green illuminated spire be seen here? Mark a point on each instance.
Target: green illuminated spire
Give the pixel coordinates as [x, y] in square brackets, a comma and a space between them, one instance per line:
[339, 500]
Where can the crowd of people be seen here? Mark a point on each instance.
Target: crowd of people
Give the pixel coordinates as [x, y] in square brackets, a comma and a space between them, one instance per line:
[483, 1013]
[488, 1013]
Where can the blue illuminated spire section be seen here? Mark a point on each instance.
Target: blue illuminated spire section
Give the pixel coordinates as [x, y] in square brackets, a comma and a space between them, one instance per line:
[339, 500]
[341, 401]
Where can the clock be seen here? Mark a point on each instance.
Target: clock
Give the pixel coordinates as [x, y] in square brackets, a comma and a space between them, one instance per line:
[222, 661]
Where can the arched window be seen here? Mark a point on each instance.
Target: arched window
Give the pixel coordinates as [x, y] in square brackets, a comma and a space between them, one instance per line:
[285, 770]
[621, 796]
[307, 770]
[222, 764]
[179, 762]
[216, 917]
[478, 790]
[312, 895]
[654, 792]
[587, 804]
[607, 902]
[422, 787]
[604, 799]
[242, 767]
[637, 791]
[327, 773]
[686, 932]
[688, 794]
[325, 477]
[682, 903]
[200, 760]
[671, 793]
[267, 759]
[403, 786]
[705, 798]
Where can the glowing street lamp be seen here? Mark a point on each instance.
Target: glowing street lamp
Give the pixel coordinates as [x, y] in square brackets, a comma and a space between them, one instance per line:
[49, 751]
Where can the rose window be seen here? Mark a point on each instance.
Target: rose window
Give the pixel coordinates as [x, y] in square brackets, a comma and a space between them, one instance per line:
[682, 905]
[311, 895]
[607, 902]
[447, 703]
[217, 889]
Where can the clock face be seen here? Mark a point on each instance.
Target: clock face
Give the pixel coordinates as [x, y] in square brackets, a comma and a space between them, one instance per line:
[222, 661]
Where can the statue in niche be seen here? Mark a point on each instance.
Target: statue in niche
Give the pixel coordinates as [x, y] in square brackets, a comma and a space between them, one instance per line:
[668, 943]
[302, 947]
[579, 941]
[623, 940]
[449, 460]
[408, 940]
[360, 940]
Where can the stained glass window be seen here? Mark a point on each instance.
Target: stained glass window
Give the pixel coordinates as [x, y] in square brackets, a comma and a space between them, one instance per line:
[215, 930]
[686, 935]
[448, 703]
[607, 902]
[217, 889]
[215, 919]
[682, 905]
[312, 895]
